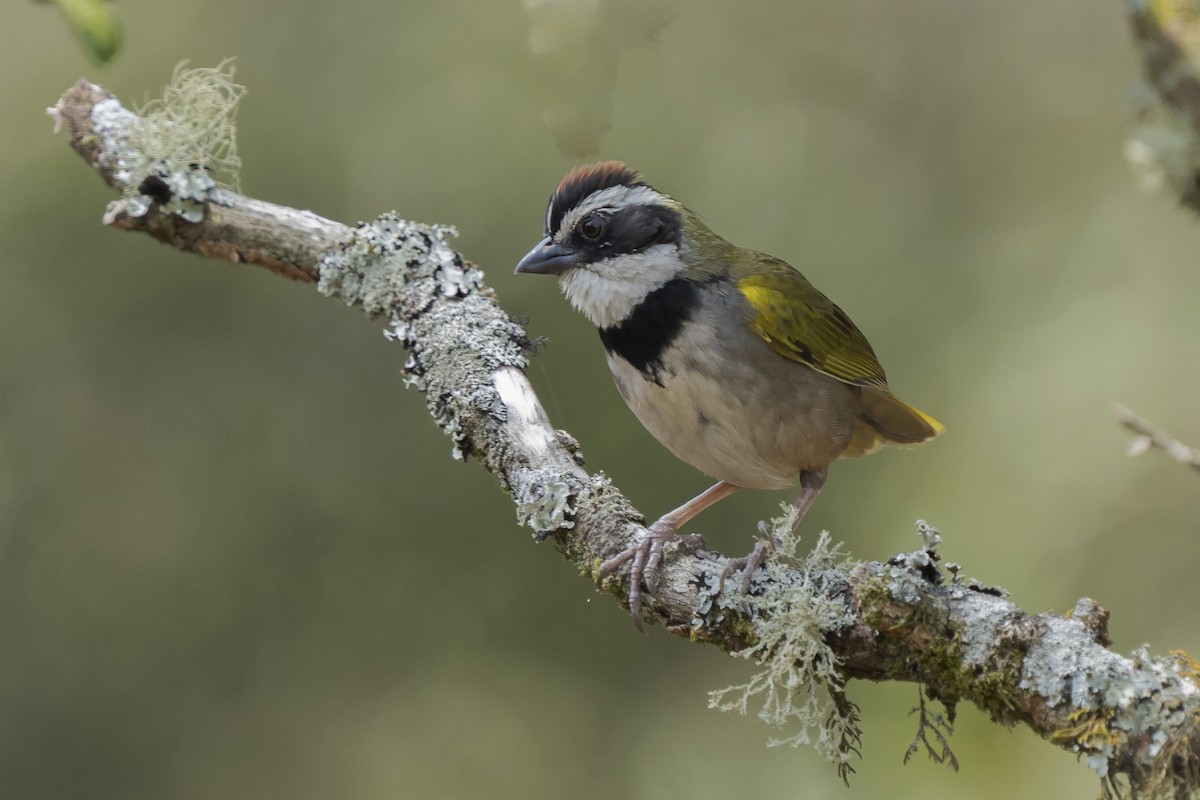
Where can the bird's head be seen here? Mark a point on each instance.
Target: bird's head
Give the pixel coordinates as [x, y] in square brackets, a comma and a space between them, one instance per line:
[611, 238]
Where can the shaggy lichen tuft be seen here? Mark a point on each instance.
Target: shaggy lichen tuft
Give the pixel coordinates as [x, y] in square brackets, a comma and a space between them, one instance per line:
[799, 689]
[193, 125]
[179, 148]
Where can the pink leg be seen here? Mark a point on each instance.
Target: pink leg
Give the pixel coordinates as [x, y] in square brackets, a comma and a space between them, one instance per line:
[810, 486]
[646, 555]
[674, 520]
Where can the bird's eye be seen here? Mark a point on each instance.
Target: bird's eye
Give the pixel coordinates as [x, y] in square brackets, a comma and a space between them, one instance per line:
[592, 226]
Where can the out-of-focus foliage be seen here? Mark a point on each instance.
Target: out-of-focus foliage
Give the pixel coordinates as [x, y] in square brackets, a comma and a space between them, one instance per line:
[1164, 146]
[577, 47]
[95, 24]
[236, 558]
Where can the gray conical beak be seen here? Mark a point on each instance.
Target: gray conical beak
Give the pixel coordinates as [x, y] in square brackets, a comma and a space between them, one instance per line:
[547, 258]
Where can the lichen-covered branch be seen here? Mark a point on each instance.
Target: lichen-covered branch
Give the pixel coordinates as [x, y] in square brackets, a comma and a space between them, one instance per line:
[811, 622]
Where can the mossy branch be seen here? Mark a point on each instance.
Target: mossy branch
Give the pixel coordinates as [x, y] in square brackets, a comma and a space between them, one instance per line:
[812, 622]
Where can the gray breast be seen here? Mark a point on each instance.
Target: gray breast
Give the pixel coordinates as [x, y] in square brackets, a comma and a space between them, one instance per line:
[725, 402]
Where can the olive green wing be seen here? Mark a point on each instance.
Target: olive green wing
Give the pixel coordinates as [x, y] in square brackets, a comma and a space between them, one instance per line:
[804, 325]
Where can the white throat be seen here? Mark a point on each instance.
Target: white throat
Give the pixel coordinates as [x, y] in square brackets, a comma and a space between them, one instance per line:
[607, 291]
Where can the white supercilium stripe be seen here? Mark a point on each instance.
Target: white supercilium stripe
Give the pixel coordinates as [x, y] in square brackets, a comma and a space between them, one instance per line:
[611, 198]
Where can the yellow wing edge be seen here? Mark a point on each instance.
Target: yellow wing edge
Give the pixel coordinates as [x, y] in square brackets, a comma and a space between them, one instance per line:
[886, 419]
[835, 346]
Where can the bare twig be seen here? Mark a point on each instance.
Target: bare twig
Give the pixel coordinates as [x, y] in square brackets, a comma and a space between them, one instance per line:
[899, 620]
[1149, 436]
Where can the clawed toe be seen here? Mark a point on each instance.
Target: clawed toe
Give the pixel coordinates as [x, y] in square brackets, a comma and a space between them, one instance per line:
[643, 558]
[751, 561]
[747, 564]
[646, 555]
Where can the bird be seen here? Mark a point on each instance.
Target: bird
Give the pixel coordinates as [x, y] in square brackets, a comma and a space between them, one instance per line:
[729, 357]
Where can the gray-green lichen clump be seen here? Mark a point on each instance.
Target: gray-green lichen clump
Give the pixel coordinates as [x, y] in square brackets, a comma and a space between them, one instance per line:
[549, 506]
[1130, 718]
[179, 148]
[799, 688]
[374, 267]
[401, 270]
[1155, 707]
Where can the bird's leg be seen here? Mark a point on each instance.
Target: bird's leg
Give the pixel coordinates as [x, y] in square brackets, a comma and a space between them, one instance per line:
[646, 555]
[810, 486]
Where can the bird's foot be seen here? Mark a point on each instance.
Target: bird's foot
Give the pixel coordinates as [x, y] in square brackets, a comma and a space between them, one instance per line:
[749, 562]
[644, 558]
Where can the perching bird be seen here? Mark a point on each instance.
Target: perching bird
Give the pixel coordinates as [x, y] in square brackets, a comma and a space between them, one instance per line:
[729, 357]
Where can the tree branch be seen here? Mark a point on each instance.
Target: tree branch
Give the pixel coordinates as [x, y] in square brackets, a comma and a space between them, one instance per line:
[1149, 436]
[806, 617]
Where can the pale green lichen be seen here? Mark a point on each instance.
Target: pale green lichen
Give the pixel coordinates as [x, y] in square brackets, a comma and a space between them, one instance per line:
[113, 123]
[356, 272]
[414, 378]
[712, 602]
[179, 148]
[372, 268]
[452, 428]
[193, 125]
[1156, 703]
[401, 270]
[799, 690]
[909, 574]
[547, 505]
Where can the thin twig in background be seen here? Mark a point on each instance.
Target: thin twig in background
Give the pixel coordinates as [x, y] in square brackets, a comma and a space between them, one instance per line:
[1149, 437]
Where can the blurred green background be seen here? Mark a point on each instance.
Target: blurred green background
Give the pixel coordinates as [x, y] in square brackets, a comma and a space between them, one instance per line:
[236, 559]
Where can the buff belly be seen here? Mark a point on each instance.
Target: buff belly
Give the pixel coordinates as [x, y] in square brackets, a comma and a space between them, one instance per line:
[757, 421]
